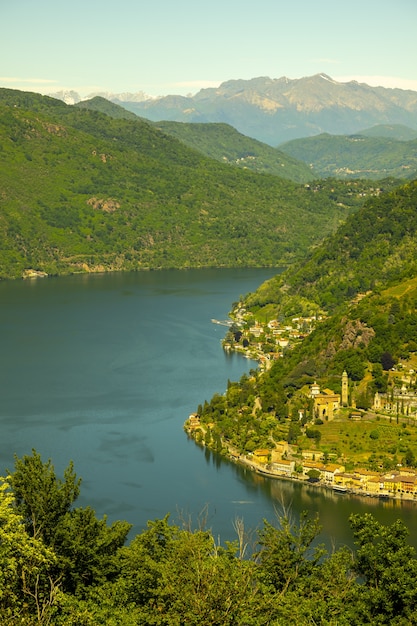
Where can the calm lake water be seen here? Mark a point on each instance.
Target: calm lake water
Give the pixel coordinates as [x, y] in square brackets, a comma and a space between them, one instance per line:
[104, 370]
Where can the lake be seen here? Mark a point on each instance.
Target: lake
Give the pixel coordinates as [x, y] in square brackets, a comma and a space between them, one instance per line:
[104, 370]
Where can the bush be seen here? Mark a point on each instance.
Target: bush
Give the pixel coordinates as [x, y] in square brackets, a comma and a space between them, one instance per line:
[312, 433]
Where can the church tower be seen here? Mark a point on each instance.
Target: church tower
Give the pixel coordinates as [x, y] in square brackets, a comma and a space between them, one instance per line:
[345, 389]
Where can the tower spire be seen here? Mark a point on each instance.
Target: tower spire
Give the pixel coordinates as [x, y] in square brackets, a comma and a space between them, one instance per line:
[345, 389]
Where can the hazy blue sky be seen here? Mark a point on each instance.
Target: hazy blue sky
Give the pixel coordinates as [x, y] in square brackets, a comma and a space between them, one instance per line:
[168, 46]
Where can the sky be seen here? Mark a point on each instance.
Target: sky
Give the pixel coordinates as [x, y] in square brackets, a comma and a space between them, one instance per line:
[165, 47]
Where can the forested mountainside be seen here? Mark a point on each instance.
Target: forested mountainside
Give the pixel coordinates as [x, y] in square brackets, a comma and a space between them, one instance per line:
[356, 156]
[350, 307]
[280, 109]
[62, 565]
[390, 131]
[374, 249]
[220, 142]
[376, 153]
[82, 191]
[98, 103]
[225, 144]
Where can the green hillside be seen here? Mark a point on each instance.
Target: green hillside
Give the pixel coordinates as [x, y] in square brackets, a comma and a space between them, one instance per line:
[350, 306]
[82, 191]
[356, 156]
[102, 105]
[374, 249]
[227, 145]
[393, 131]
[220, 142]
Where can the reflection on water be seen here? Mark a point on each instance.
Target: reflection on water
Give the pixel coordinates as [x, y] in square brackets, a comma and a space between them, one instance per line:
[104, 370]
[334, 509]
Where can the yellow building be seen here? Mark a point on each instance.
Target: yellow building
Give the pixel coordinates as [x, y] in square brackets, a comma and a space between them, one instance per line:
[373, 485]
[343, 479]
[261, 455]
[193, 422]
[326, 402]
[362, 478]
[409, 484]
[331, 470]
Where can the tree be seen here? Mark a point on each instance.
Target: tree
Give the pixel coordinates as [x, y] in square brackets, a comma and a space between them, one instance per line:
[87, 549]
[294, 431]
[387, 566]
[313, 433]
[86, 546]
[26, 586]
[314, 475]
[287, 552]
[41, 498]
[353, 361]
[178, 576]
[409, 458]
[387, 361]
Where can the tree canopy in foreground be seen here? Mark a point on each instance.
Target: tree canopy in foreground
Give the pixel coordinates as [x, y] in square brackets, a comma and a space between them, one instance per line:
[61, 565]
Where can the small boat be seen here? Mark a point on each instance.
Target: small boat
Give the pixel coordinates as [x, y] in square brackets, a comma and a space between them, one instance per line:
[222, 322]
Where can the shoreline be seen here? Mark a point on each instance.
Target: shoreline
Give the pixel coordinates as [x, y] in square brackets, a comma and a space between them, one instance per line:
[262, 470]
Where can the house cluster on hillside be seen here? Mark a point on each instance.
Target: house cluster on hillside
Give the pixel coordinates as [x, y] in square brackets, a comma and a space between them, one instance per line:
[285, 461]
[266, 342]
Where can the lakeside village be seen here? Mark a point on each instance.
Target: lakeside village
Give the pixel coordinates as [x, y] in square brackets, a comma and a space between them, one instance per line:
[286, 461]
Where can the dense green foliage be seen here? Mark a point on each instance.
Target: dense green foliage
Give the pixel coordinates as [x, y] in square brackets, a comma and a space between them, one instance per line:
[82, 191]
[356, 156]
[105, 106]
[225, 144]
[392, 131]
[79, 571]
[218, 141]
[375, 249]
[364, 282]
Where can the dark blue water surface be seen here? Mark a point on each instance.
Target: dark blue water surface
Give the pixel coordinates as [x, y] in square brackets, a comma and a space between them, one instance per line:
[104, 370]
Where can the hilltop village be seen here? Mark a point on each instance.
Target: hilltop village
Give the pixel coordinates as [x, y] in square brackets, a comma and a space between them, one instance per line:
[327, 466]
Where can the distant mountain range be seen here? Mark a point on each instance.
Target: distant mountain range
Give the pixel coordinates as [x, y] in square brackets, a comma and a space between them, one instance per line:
[278, 110]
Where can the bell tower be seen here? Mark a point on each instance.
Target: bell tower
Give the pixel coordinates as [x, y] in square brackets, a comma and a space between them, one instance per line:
[345, 389]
